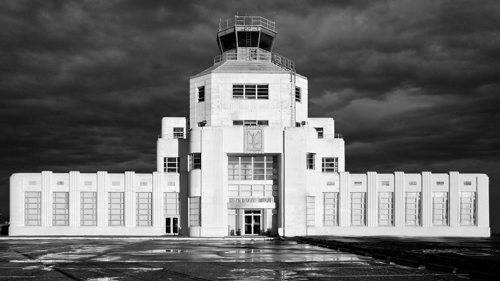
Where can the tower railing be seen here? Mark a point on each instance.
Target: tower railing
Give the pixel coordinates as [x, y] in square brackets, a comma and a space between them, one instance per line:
[255, 54]
[247, 21]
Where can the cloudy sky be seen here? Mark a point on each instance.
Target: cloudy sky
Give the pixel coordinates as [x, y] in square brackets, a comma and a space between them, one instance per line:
[412, 85]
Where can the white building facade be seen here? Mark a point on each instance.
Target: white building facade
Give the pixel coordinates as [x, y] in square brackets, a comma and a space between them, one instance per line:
[249, 161]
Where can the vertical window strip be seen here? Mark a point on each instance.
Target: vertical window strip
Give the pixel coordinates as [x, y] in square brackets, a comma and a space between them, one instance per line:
[468, 208]
[201, 93]
[171, 203]
[330, 207]
[311, 210]
[412, 209]
[88, 208]
[143, 209]
[385, 208]
[60, 209]
[440, 208]
[33, 208]
[298, 94]
[116, 209]
[358, 208]
[194, 211]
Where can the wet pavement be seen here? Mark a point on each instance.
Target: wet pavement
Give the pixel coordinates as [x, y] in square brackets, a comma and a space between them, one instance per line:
[140, 259]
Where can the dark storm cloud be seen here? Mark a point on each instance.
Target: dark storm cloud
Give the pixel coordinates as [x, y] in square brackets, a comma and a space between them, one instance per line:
[412, 85]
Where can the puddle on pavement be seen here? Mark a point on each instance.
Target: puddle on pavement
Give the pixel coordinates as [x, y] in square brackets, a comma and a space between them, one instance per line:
[262, 274]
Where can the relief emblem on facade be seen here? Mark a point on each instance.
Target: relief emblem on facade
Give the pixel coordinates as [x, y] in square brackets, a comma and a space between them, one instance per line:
[253, 140]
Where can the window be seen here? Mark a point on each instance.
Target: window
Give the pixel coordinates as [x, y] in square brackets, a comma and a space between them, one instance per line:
[88, 208]
[358, 209]
[468, 208]
[171, 200]
[412, 208]
[440, 208]
[143, 208]
[194, 161]
[329, 164]
[319, 131]
[194, 211]
[201, 93]
[252, 168]
[331, 207]
[60, 208]
[310, 157]
[116, 208]
[250, 122]
[33, 208]
[385, 209]
[171, 164]
[298, 96]
[178, 133]
[311, 210]
[250, 91]
[252, 190]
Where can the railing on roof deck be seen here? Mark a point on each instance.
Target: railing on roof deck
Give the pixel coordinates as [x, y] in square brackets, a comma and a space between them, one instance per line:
[250, 54]
[247, 20]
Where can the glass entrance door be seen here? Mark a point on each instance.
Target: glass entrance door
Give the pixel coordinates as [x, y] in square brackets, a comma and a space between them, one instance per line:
[172, 225]
[252, 222]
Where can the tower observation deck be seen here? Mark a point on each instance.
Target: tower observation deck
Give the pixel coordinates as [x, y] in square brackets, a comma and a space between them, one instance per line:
[249, 38]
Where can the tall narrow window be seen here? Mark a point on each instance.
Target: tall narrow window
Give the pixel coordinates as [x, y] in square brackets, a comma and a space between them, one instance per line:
[298, 94]
[33, 208]
[116, 209]
[171, 200]
[171, 164]
[412, 209]
[88, 208]
[358, 208]
[60, 207]
[178, 133]
[311, 210]
[385, 209]
[310, 157]
[329, 164]
[194, 161]
[440, 208]
[468, 208]
[330, 207]
[194, 211]
[201, 93]
[143, 208]
[319, 131]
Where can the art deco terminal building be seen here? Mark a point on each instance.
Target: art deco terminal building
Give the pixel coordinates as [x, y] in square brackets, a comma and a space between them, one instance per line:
[249, 161]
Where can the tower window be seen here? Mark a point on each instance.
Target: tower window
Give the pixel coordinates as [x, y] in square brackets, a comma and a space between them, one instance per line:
[250, 91]
[298, 94]
[319, 131]
[178, 133]
[194, 161]
[250, 122]
[329, 164]
[310, 160]
[171, 165]
[201, 93]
